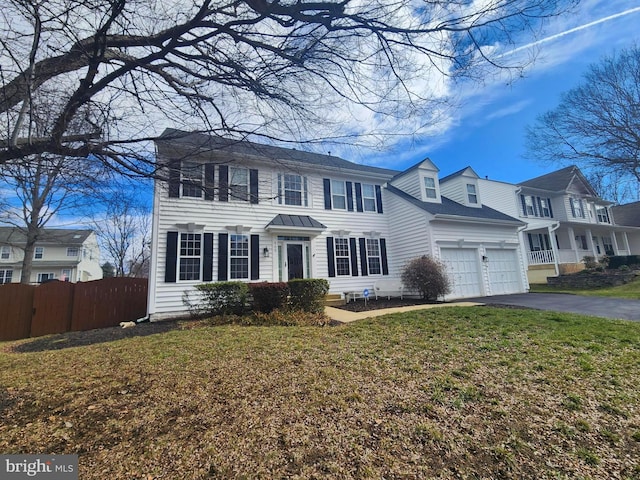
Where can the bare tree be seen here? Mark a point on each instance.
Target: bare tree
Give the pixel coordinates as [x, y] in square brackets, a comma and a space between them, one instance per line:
[597, 126]
[124, 233]
[125, 69]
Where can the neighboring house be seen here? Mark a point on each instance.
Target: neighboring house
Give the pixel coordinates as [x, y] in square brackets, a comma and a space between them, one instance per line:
[565, 220]
[244, 211]
[62, 254]
[629, 214]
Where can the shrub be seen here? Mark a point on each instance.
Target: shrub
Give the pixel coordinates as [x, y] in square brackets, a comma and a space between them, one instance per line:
[308, 294]
[269, 296]
[219, 298]
[426, 276]
[589, 262]
[619, 260]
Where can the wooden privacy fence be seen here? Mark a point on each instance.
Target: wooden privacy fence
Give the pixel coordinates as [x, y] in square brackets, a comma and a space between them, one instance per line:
[57, 307]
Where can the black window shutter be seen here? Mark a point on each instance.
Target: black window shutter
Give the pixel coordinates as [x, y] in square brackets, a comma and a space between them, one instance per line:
[383, 254]
[379, 198]
[359, 207]
[174, 179]
[209, 185]
[255, 256]
[326, 185]
[354, 257]
[549, 205]
[223, 183]
[207, 261]
[349, 196]
[223, 250]
[331, 258]
[171, 257]
[524, 205]
[363, 257]
[253, 186]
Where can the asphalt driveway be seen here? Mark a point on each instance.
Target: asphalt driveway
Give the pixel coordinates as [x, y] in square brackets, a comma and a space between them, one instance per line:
[620, 308]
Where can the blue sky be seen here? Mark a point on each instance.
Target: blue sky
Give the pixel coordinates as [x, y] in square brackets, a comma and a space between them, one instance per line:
[488, 132]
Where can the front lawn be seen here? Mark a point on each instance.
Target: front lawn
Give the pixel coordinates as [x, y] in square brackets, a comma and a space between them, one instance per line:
[628, 290]
[476, 392]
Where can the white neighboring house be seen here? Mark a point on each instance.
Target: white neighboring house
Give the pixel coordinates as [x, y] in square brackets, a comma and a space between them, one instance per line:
[234, 210]
[629, 214]
[61, 254]
[565, 221]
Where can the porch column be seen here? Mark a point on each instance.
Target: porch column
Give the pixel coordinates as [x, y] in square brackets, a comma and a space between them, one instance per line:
[614, 242]
[572, 241]
[554, 248]
[626, 242]
[592, 243]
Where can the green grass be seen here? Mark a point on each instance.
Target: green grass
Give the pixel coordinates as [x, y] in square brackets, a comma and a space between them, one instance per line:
[630, 290]
[476, 392]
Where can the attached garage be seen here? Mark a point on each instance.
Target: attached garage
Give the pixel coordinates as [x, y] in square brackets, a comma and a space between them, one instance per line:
[463, 265]
[504, 272]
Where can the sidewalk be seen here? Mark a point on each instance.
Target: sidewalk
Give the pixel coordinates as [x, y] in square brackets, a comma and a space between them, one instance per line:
[346, 316]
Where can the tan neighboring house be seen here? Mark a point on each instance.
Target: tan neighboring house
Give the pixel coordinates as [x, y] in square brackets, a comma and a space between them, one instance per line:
[60, 254]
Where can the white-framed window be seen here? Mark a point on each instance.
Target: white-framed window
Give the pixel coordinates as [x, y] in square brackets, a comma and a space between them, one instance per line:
[5, 252]
[38, 253]
[338, 195]
[608, 246]
[190, 256]
[239, 183]
[472, 195]
[603, 214]
[369, 197]
[239, 257]
[343, 260]
[192, 179]
[430, 187]
[581, 241]
[545, 210]
[73, 251]
[292, 189]
[43, 277]
[65, 275]
[528, 202]
[576, 207]
[6, 275]
[373, 256]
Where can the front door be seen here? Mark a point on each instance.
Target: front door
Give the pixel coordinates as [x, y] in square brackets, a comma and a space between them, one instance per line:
[295, 264]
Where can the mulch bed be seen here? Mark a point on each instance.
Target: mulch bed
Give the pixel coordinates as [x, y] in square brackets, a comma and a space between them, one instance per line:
[373, 304]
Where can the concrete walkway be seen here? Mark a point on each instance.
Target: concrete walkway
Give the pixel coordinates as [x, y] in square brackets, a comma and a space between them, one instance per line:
[346, 316]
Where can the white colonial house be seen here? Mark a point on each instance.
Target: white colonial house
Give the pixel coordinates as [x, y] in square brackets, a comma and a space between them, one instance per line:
[236, 210]
[565, 221]
[60, 254]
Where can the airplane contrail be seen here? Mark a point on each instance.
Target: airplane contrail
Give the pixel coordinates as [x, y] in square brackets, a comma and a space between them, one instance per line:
[572, 30]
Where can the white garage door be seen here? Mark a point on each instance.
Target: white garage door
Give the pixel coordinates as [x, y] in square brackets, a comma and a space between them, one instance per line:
[464, 271]
[503, 272]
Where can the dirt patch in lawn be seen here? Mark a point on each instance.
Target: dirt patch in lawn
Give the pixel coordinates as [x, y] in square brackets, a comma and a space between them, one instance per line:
[373, 304]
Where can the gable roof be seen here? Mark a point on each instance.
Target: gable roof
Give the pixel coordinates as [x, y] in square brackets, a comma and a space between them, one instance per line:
[426, 163]
[559, 181]
[459, 173]
[450, 208]
[628, 214]
[199, 143]
[59, 236]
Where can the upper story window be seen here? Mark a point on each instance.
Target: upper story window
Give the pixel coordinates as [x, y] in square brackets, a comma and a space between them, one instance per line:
[72, 251]
[545, 209]
[472, 195]
[189, 256]
[38, 253]
[369, 197]
[430, 187]
[239, 183]
[603, 214]
[577, 209]
[292, 189]
[338, 194]
[5, 252]
[528, 205]
[192, 179]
